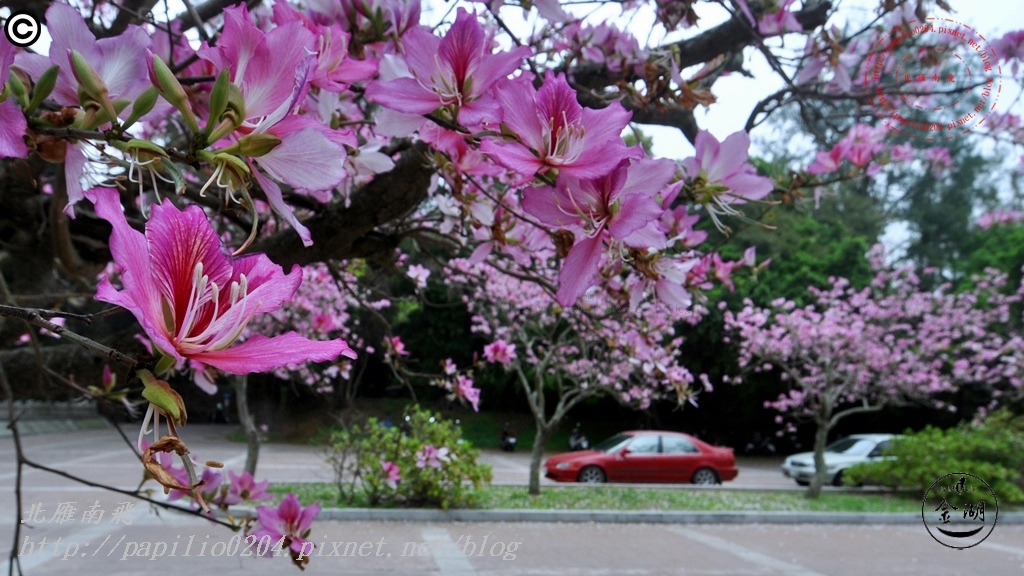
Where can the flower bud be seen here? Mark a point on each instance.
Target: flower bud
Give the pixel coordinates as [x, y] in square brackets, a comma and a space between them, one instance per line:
[91, 88]
[161, 395]
[254, 145]
[109, 378]
[165, 81]
[232, 116]
[218, 100]
[17, 88]
[143, 105]
[43, 88]
[89, 82]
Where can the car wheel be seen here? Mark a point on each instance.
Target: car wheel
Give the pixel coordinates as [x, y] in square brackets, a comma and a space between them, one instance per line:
[705, 476]
[592, 475]
[803, 482]
[837, 480]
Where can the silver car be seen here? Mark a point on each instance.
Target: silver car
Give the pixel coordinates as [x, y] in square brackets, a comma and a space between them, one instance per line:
[839, 456]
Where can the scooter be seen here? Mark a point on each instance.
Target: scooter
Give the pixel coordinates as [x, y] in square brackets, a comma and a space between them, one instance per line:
[508, 441]
[577, 441]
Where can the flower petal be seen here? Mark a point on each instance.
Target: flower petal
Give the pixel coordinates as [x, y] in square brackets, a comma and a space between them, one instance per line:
[130, 252]
[551, 207]
[578, 270]
[262, 354]
[306, 159]
[277, 203]
[12, 130]
[74, 167]
[636, 211]
[180, 240]
[404, 95]
[513, 156]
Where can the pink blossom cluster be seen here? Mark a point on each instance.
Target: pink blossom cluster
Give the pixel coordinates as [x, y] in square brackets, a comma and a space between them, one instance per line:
[859, 146]
[630, 354]
[1000, 218]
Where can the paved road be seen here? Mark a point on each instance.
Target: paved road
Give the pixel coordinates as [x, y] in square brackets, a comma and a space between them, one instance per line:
[467, 549]
[97, 548]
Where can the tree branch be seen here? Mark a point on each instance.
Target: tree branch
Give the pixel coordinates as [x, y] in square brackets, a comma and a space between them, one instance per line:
[129, 12]
[208, 10]
[341, 232]
[731, 36]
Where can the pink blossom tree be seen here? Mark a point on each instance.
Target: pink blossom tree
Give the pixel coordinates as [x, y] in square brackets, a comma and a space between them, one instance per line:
[856, 350]
[596, 348]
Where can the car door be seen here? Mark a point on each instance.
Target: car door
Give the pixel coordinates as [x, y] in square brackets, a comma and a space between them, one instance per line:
[639, 462]
[679, 458]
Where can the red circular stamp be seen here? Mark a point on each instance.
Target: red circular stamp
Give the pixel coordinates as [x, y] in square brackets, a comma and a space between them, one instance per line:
[932, 79]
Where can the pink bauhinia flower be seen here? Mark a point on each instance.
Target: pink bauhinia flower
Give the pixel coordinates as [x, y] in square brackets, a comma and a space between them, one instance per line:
[500, 351]
[725, 164]
[449, 367]
[392, 473]
[193, 300]
[116, 62]
[395, 345]
[419, 275]
[554, 131]
[244, 487]
[780, 21]
[939, 160]
[618, 206]
[289, 521]
[12, 120]
[273, 71]
[335, 68]
[431, 456]
[464, 389]
[1010, 48]
[827, 162]
[455, 72]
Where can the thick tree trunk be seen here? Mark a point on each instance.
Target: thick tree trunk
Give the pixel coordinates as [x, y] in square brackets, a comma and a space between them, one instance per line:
[252, 436]
[820, 441]
[536, 456]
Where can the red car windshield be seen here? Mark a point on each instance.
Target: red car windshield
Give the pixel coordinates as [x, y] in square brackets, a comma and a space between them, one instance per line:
[612, 443]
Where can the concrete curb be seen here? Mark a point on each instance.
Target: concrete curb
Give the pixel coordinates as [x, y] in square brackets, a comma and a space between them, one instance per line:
[620, 517]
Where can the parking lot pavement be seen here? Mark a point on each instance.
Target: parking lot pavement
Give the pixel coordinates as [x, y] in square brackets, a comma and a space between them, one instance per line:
[183, 545]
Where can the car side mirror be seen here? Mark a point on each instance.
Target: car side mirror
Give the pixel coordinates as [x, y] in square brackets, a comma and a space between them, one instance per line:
[625, 452]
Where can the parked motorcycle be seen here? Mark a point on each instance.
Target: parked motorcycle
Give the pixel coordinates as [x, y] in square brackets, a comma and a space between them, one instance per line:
[577, 441]
[508, 439]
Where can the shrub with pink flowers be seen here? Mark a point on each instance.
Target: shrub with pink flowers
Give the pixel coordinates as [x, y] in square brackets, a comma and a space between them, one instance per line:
[421, 462]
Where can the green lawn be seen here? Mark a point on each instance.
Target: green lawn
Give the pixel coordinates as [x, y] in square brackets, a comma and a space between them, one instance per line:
[639, 498]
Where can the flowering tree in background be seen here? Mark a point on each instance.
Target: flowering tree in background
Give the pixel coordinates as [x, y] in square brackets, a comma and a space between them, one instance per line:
[595, 348]
[855, 351]
[248, 140]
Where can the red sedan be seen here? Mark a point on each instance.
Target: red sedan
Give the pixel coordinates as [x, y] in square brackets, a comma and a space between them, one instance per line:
[646, 456]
